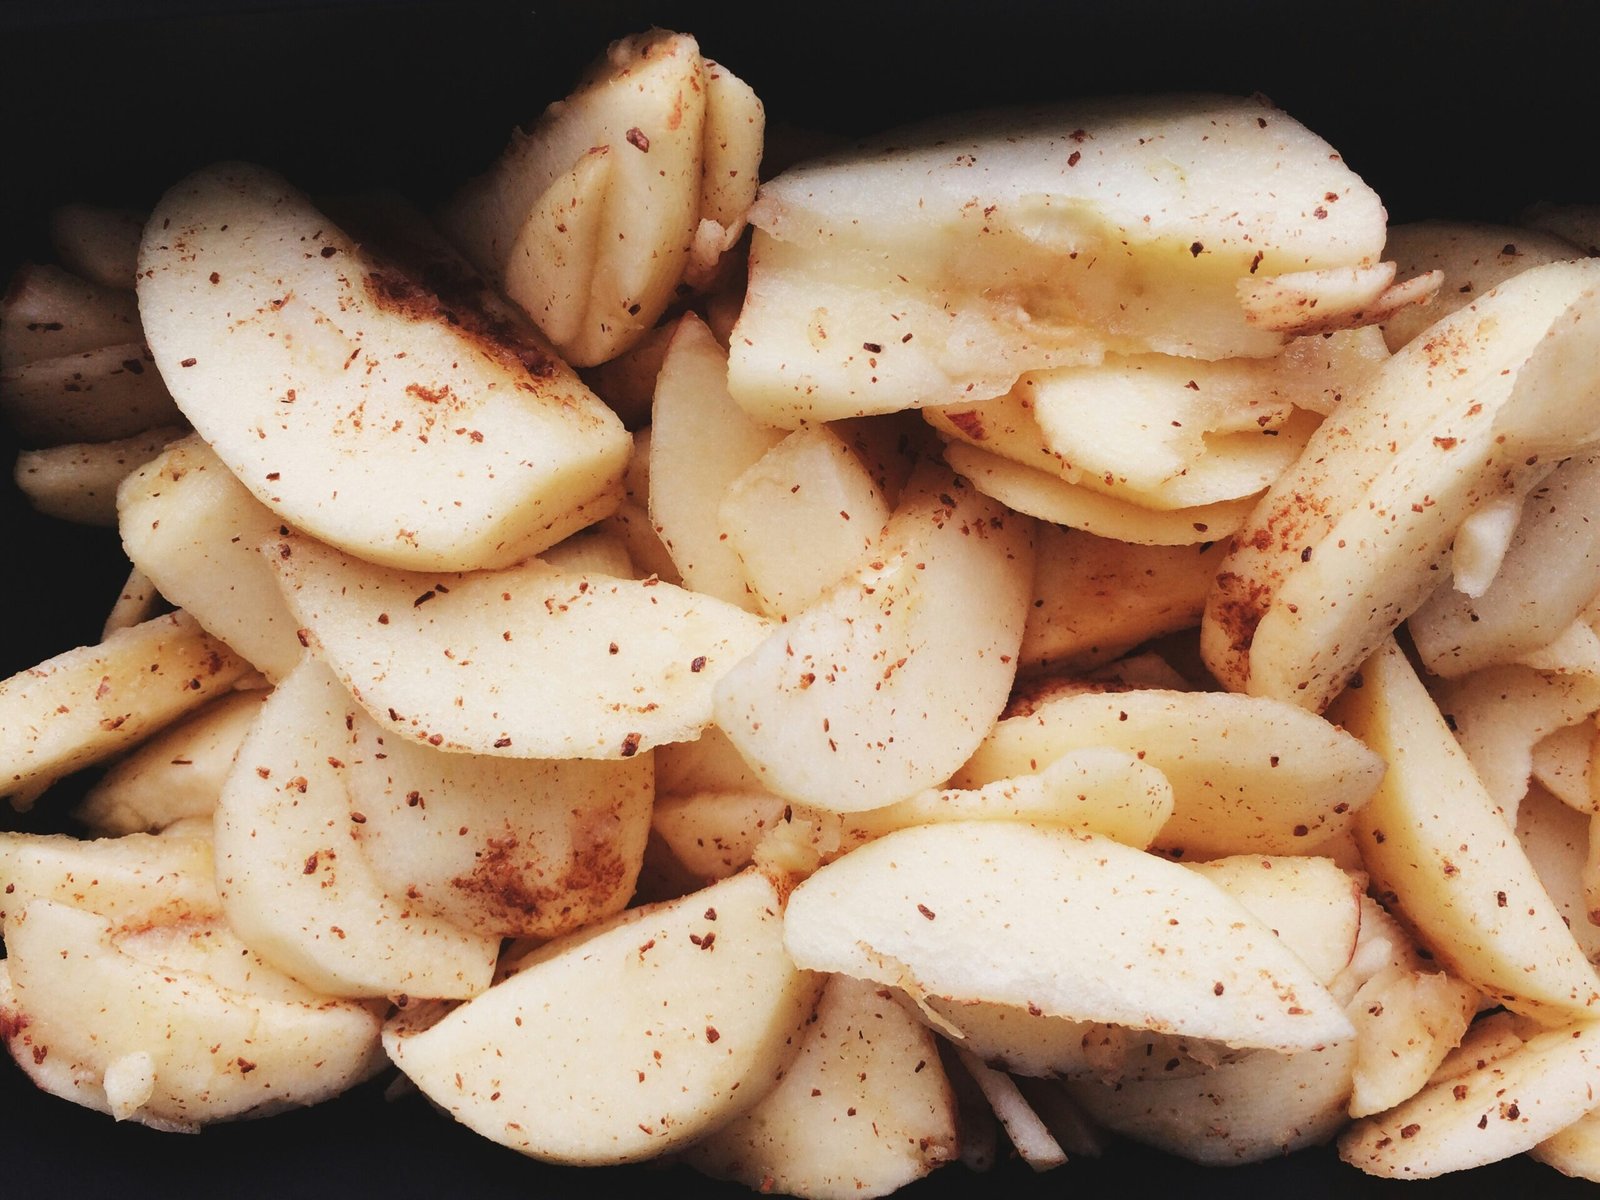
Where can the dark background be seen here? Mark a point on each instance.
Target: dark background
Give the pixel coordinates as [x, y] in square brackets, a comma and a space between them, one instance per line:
[1448, 109]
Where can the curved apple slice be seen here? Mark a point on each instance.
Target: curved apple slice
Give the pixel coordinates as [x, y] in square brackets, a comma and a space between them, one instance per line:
[628, 1039]
[994, 911]
[526, 662]
[322, 374]
[294, 884]
[886, 684]
[521, 847]
[136, 1025]
[865, 1108]
[133, 880]
[1502, 1108]
[1248, 774]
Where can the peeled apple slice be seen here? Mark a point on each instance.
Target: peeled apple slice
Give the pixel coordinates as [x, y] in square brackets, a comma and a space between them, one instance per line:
[628, 1039]
[938, 264]
[991, 911]
[1349, 541]
[410, 426]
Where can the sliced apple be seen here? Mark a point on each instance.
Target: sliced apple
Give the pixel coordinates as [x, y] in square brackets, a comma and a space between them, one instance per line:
[527, 662]
[131, 881]
[1445, 859]
[883, 687]
[47, 312]
[1349, 541]
[864, 1109]
[1247, 774]
[78, 482]
[135, 1024]
[294, 884]
[85, 705]
[196, 531]
[521, 847]
[422, 425]
[645, 104]
[937, 264]
[988, 911]
[1502, 1108]
[627, 1040]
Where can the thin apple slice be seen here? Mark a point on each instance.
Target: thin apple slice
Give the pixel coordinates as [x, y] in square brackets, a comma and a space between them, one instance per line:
[176, 774]
[47, 312]
[1248, 774]
[97, 242]
[864, 1109]
[95, 395]
[645, 103]
[132, 1024]
[322, 373]
[700, 443]
[84, 705]
[883, 687]
[628, 1039]
[988, 911]
[294, 884]
[131, 881]
[78, 482]
[527, 662]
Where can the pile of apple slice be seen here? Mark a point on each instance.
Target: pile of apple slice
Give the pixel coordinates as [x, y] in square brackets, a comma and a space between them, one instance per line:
[594, 686]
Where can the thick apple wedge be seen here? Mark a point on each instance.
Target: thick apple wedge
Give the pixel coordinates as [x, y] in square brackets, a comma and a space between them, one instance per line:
[1351, 539]
[295, 886]
[419, 424]
[174, 1025]
[1442, 856]
[527, 662]
[865, 1108]
[628, 1039]
[938, 264]
[885, 685]
[1059, 924]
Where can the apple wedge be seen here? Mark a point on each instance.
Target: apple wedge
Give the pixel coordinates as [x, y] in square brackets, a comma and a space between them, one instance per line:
[1445, 859]
[938, 264]
[1350, 540]
[885, 685]
[47, 312]
[864, 1109]
[1248, 774]
[195, 530]
[422, 424]
[521, 847]
[628, 1039]
[136, 880]
[527, 662]
[991, 910]
[136, 1024]
[295, 885]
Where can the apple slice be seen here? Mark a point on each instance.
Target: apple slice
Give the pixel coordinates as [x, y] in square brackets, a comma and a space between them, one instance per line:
[195, 530]
[1443, 857]
[864, 1109]
[527, 662]
[416, 423]
[884, 686]
[295, 886]
[990, 910]
[628, 1039]
[47, 312]
[1350, 540]
[132, 881]
[937, 264]
[136, 1025]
